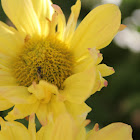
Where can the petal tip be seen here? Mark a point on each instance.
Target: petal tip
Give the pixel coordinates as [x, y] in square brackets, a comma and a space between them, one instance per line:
[57, 8]
[112, 69]
[122, 27]
[96, 127]
[105, 83]
[87, 122]
[32, 117]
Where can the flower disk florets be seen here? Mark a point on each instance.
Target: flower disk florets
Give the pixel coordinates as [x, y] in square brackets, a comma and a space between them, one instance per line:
[43, 58]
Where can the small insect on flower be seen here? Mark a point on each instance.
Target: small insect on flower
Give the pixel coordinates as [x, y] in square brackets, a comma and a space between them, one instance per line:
[39, 73]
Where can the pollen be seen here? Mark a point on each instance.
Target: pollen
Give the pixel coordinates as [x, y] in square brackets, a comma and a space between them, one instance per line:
[43, 58]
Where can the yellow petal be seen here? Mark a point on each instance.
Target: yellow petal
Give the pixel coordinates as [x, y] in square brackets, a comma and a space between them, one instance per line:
[43, 8]
[72, 21]
[105, 70]
[4, 60]
[64, 128]
[99, 82]
[81, 133]
[20, 111]
[53, 26]
[6, 78]
[15, 94]
[104, 83]
[4, 70]
[14, 131]
[84, 64]
[114, 131]
[44, 12]
[42, 114]
[32, 127]
[61, 21]
[97, 29]
[2, 137]
[4, 104]
[7, 81]
[45, 132]
[96, 55]
[91, 58]
[56, 107]
[78, 87]
[92, 132]
[78, 111]
[23, 16]
[10, 40]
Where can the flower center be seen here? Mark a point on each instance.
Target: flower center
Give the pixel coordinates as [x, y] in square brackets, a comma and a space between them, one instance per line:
[43, 58]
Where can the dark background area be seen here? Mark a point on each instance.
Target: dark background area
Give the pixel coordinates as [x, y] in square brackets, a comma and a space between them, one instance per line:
[120, 101]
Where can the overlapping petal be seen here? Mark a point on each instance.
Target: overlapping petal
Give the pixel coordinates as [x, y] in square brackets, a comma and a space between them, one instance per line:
[78, 87]
[21, 111]
[78, 111]
[43, 114]
[64, 128]
[13, 131]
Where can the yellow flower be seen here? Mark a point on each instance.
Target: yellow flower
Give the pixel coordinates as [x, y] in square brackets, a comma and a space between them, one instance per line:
[47, 66]
[64, 128]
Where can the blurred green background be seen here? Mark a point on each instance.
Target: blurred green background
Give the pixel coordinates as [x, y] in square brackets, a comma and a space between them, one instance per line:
[120, 101]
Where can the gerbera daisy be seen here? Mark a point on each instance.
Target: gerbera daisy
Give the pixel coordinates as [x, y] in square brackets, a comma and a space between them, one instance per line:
[47, 66]
[64, 128]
